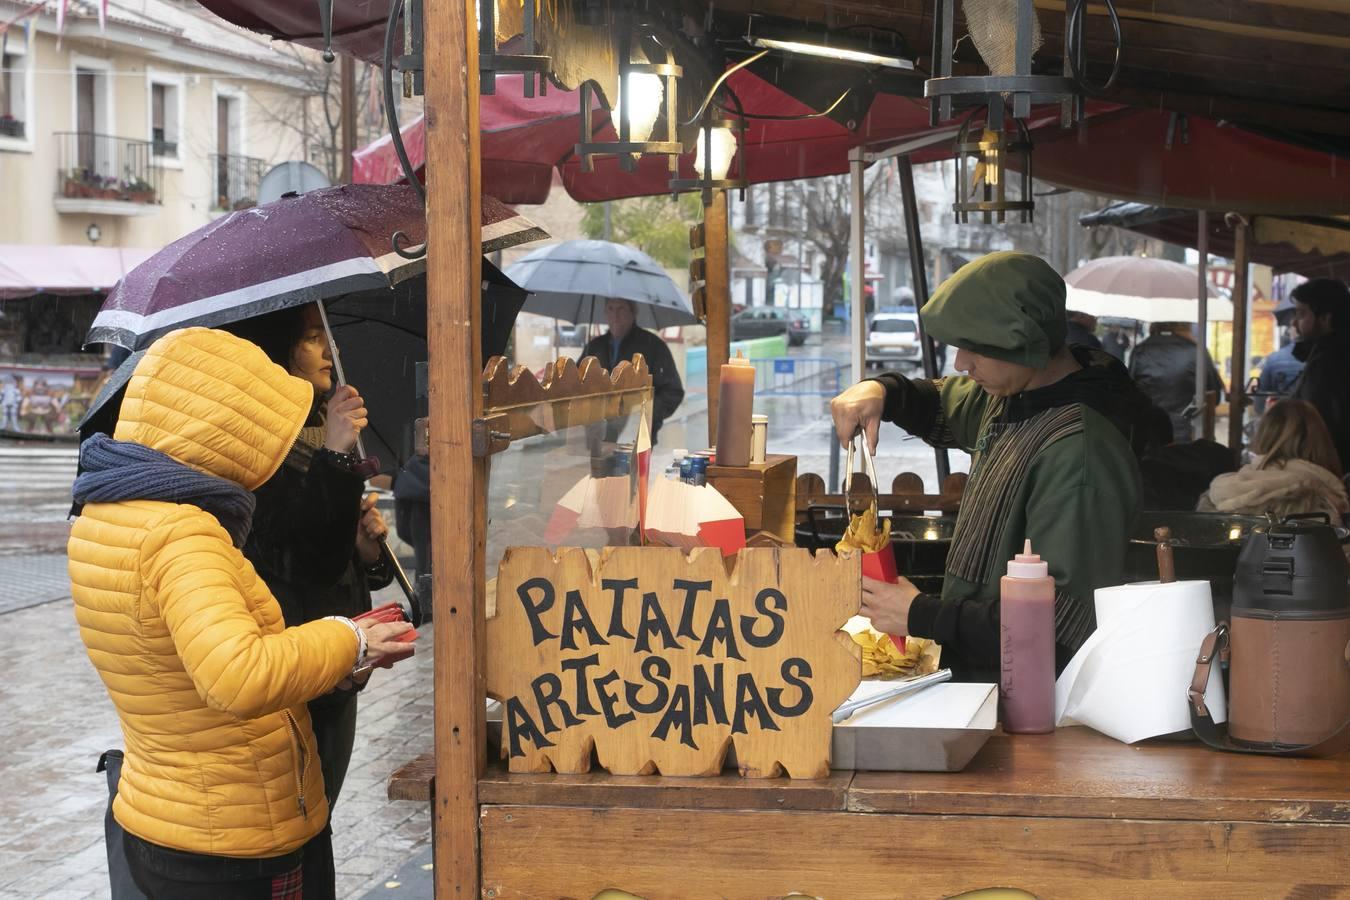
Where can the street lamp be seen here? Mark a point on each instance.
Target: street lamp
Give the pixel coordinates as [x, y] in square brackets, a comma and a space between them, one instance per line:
[647, 96]
[984, 190]
[721, 137]
[94, 233]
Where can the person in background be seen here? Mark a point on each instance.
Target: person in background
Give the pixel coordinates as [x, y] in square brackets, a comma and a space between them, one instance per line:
[1279, 372]
[1163, 365]
[218, 794]
[1296, 469]
[1082, 328]
[1116, 342]
[625, 338]
[412, 509]
[1322, 323]
[1050, 461]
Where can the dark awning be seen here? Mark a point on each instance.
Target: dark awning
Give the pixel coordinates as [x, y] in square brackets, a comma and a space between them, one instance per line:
[1312, 246]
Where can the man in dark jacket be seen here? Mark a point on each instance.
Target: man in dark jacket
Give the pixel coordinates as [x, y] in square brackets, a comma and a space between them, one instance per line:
[1163, 365]
[625, 338]
[1322, 323]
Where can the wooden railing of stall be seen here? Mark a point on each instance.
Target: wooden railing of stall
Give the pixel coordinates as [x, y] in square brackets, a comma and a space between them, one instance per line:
[907, 494]
[518, 405]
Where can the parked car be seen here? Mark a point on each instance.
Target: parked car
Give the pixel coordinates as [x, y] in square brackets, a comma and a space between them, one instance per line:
[770, 321]
[893, 341]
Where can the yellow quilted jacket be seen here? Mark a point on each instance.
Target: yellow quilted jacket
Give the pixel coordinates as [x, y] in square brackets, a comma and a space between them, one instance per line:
[209, 685]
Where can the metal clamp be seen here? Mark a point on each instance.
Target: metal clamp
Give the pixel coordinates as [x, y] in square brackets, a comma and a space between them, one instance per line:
[860, 439]
[490, 436]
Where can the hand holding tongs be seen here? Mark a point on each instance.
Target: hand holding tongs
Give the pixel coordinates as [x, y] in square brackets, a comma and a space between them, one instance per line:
[909, 687]
[859, 439]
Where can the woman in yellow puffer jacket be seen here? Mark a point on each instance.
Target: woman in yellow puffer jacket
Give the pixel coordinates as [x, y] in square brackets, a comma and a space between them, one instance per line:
[220, 790]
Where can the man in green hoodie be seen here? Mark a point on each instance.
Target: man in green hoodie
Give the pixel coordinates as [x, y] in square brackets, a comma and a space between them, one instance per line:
[1043, 423]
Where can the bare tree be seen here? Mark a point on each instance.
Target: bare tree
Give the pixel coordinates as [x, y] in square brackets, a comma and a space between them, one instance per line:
[314, 112]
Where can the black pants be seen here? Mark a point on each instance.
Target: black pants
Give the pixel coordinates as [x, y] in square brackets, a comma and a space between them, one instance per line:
[164, 874]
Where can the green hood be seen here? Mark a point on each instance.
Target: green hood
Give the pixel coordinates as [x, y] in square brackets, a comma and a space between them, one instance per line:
[1007, 306]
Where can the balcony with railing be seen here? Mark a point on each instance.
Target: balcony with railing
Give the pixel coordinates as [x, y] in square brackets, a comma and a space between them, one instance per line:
[235, 180]
[101, 174]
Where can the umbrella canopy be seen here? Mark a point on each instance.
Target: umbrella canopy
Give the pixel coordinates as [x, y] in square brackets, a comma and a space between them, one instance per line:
[1143, 288]
[572, 281]
[299, 249]
[382, 335]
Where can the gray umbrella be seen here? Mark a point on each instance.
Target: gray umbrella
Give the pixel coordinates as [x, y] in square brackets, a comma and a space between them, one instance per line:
[572, 281]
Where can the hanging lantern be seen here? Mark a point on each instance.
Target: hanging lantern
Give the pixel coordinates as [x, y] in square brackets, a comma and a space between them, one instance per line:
[984, 188]
[492, 61]
[644, 112]
[720, 140]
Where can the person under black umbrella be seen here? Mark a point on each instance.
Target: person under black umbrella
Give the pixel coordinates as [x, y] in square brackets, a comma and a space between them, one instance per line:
[624, 338]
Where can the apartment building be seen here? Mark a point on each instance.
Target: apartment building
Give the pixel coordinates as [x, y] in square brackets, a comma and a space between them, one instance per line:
[115, 141]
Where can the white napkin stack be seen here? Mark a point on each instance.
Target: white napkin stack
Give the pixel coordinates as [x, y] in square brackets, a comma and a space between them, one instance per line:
[1129, 679]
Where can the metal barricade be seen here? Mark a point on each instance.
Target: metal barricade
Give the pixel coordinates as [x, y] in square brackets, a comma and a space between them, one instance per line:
[802, 376]
[797, 376]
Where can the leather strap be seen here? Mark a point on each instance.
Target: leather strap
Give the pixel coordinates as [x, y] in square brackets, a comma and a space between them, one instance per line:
[1215, 646]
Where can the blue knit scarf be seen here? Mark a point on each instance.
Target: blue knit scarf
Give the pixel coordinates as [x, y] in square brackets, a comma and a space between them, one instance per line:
[113, 471]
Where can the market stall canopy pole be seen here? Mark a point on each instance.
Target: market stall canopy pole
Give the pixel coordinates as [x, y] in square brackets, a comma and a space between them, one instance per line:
[1237, 389]
[459, 495]
[1202, 325]
[857, 268]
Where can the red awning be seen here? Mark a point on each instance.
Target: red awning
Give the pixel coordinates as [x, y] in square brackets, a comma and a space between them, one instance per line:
[26, 270]
[524, 140]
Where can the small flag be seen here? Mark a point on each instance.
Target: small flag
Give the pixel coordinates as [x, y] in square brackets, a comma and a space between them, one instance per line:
[60, 20]
[102, 16]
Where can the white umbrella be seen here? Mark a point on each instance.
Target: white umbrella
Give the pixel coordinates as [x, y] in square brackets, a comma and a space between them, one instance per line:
[572, 281]
[1143, 288]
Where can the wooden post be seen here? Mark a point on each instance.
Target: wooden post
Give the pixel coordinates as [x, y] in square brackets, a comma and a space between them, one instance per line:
[347, 77]
[1202, 321]
[1237, 394]
[716, 252]
[857, 267]
[455, 398]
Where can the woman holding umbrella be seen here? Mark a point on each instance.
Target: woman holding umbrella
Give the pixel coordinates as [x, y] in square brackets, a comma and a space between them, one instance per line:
[315, 539]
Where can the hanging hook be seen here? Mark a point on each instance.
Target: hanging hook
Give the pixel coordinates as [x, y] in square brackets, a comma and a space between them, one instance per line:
[406, 250]
[326, 23]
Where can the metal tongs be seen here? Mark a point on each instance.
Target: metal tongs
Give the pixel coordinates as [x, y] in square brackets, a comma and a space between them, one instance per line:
[859, 439]
[909, 687]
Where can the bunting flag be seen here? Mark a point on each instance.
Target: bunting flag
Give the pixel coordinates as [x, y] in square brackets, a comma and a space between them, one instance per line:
[60, 20]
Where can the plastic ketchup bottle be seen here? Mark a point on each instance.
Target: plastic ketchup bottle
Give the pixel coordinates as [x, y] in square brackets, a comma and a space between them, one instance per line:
[1027, 645]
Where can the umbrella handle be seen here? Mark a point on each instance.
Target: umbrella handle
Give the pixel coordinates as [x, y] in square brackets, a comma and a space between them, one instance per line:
[416, 614]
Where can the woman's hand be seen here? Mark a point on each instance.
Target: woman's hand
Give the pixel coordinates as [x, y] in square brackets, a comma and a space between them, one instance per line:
[887, 605]
[346, 417]
[382, 649]
[370, 532]
[859, 407]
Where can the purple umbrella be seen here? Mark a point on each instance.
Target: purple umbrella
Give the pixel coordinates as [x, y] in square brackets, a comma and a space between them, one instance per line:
[298, 249]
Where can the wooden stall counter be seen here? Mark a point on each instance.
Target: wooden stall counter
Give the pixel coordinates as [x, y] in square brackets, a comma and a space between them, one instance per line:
[764, 493]
[1072, 814]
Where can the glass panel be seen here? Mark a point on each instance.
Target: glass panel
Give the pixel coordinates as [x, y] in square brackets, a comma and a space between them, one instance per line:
[572, 485]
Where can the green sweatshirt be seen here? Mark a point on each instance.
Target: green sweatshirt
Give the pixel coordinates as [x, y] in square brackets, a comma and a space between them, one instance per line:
[1046, 466]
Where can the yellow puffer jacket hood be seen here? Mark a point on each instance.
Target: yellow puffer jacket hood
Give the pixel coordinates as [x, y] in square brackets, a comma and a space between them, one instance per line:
[216, 403]
[209, 684]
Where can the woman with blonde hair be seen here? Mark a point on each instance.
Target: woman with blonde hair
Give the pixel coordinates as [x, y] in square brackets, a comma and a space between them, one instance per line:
[1297, 469]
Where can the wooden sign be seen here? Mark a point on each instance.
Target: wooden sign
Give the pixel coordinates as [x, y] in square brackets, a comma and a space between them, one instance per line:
[659, 661]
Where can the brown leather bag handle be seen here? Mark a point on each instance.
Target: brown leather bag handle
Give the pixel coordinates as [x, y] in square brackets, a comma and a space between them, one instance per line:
[1215, 646]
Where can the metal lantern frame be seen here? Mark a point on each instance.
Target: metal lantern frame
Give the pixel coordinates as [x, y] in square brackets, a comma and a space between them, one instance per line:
[718, 116]
[668, 144]
[993, 203]
[491, 61]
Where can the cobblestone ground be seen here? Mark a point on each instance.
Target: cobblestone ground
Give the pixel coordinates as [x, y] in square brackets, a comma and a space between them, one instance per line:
[58, 719]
